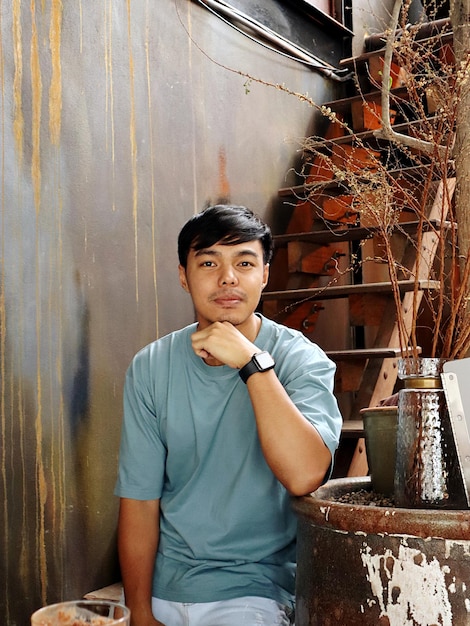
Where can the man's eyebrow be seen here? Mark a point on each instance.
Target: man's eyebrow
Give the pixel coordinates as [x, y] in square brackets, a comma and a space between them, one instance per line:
[206, 251]
[212, 252]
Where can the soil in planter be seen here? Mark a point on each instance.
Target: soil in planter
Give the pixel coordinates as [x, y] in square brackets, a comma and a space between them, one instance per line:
[363, 497]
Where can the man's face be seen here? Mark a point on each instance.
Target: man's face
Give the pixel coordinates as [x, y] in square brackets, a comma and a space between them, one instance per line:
[225, 281]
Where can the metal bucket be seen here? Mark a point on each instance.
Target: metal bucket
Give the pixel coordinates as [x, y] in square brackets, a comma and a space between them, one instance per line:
[369, 565]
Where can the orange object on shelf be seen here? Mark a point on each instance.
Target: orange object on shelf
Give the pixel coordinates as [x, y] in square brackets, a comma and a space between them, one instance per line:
[354, 159]
[339, 209]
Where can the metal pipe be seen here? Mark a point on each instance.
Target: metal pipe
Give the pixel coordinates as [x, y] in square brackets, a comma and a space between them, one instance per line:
[294, 51]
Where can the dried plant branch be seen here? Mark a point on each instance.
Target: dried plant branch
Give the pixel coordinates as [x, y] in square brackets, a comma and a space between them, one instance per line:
[386, 131]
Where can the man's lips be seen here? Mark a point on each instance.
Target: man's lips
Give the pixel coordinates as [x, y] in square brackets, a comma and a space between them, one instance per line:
[227, 299]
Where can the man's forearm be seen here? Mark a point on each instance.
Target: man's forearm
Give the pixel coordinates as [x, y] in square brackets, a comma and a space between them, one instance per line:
[138, 535]
[292, 447]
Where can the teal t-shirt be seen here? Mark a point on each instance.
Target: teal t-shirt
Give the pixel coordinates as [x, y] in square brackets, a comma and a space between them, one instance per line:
[189, 438]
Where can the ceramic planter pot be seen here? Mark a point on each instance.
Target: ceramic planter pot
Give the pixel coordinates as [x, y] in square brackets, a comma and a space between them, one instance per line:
[360, 565]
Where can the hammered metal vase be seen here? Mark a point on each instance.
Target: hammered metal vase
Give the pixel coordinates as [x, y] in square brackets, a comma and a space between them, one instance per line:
[427, 472]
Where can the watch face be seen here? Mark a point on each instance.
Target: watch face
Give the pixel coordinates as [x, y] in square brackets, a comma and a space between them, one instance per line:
[264, 360]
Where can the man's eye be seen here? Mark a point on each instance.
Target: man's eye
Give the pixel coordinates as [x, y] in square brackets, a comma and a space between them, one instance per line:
[207, 263]
[246, 264]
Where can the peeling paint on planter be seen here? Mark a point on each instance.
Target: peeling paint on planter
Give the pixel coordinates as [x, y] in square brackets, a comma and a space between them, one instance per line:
[326, 511]
[400, 585]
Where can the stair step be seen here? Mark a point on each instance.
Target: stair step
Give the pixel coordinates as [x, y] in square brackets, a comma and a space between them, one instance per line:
[302, 191]
[343, 291]
[438, 25]
[343, 104]
[352, 429]
[364, 353]
[368, 135]
[353, 233]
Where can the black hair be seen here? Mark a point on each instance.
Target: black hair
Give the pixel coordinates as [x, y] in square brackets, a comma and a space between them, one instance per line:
[225, 224]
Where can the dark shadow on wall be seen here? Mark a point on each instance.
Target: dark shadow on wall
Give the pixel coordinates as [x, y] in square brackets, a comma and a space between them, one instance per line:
[80, 393]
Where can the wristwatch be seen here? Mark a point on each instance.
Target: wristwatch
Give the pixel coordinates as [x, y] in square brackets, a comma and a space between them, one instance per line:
[260, 362]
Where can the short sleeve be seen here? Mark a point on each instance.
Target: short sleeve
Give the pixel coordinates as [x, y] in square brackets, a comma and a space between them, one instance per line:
[307, 374]
[142, 453]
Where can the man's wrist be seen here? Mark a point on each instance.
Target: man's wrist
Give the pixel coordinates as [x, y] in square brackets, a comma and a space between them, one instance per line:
[259, 362]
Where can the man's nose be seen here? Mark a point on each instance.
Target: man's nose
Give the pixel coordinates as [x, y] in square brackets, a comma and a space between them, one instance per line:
[228, 276]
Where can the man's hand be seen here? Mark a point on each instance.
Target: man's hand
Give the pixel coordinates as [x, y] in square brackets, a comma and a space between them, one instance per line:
[223, 344]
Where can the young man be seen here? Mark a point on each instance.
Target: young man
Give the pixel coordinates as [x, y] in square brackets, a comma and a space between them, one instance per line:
[222, 421]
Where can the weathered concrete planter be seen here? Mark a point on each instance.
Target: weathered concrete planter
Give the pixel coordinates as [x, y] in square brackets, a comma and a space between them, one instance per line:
[373, 565]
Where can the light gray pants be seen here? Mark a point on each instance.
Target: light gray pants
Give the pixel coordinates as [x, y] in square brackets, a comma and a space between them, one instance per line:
[246, 611]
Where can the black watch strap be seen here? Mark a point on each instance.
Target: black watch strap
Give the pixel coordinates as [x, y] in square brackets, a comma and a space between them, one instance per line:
[260, 362]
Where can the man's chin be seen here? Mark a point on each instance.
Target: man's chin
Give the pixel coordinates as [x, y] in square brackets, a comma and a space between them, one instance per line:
[232, 318]
[237, 318]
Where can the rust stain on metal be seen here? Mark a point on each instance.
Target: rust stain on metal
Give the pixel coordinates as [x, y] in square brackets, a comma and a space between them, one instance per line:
[108, 62]
[80, 11]
[18, 122]
[132, 137]
[224, 185]
[36, 87]
[55, 91]
[152, 166]
[41, 487]
[6, 535]
[3, 412]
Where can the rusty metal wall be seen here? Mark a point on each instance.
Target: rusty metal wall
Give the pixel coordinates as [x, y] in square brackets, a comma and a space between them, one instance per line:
[115, 128]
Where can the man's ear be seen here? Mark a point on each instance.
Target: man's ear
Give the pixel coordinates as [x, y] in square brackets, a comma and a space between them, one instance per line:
[265, 275]
[183, 280]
